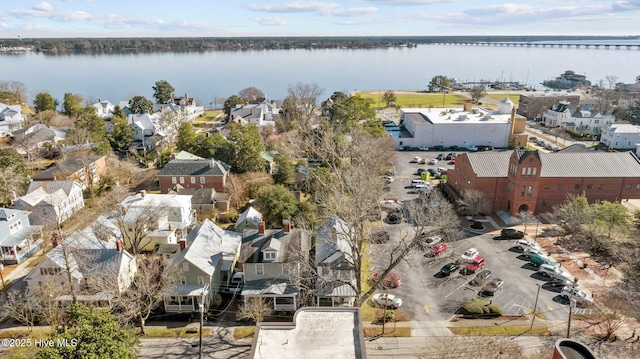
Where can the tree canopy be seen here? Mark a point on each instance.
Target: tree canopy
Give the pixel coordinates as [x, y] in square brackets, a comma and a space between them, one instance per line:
[72, 104]
[439, 83]
[44, 102]
[245, 145]
[13, 175]
[389, 97]
[162, 91]
[122, 135]
[250, 94]
[91, 334]
[276, 203]
[353, 112]
[140, 105]
[230, 104]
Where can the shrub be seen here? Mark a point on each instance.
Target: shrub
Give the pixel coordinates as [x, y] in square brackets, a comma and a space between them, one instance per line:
[480, 308]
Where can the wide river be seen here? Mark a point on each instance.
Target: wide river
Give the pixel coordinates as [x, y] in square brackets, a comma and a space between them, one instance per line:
[209, 76]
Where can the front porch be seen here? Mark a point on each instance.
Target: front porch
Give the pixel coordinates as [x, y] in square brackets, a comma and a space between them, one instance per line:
[21, 245]
[186, 298]
[282, 296]
[336, 295]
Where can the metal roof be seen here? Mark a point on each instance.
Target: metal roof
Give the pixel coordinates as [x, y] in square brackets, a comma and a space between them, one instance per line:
[561, 164]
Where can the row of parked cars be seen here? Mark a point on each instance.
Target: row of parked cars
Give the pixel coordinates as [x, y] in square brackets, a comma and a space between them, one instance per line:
[551, 269]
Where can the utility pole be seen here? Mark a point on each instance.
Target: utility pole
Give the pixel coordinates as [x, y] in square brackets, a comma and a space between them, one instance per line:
[201, 309]
[570, 313]
[535, 307]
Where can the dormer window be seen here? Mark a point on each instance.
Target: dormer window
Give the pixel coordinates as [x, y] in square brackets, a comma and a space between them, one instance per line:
[269, 255]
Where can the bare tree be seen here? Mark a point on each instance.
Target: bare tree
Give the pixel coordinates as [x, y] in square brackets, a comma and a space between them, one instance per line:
[146, 292]
[255, 310]
[250, 94]
[21, 308]
[612, 79]
[481, 347]
[474, 203]
[477, 93]
[302, 100]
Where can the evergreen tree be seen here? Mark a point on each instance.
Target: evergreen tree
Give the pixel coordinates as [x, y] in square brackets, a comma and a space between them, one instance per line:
[44, 102]
[140, 105]
[276, 203]
[162, 91]
[71, 106]
[244, 148]
[230, 104]
[122, 135]
[285, 174]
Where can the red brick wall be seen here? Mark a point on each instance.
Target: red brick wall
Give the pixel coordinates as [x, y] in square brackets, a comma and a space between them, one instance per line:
[215, 182]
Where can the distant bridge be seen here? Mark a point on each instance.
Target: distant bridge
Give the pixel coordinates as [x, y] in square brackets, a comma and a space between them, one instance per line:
[546, 44]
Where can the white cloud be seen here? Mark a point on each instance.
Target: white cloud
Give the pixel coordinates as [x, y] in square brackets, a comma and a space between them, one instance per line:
[354, 11]
[408, 2]
[270, 21]
[295, 6]
[43, 6]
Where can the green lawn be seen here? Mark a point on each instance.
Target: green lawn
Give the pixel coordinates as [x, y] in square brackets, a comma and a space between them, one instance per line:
[417, 99]
[243, 332]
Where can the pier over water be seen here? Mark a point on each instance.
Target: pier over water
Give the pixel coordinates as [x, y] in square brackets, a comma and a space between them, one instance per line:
[546, 44]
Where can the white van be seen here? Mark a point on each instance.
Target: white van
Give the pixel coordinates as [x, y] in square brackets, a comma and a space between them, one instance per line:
[418, 181]
[235, 285]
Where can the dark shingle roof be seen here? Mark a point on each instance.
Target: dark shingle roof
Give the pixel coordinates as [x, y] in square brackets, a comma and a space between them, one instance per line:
[66, 167]
[206, 167]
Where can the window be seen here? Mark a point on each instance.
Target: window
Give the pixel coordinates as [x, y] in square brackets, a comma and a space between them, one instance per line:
[529, 191]
[181, 180]
[638, 186]
[270, 255]
[601, 186]
[544, 203]
[202, 181]
[259, 269]
[627, 186]
[200, 280]
[284, 300]
[183, 280]
[522, 189]
[597, 201]
[193, 180]
[547, 186]
[524, 171]
[576, 186]
[560, 186]
[174, 180]
[185, 266]
[589, 186]
[528, 171]
[535, 171]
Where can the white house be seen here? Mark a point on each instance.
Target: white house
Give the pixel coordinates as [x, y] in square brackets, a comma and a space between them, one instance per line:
[18, 238]
[557, 115]
[51, 202]
[592, 121]
[249, 219]
[334, 264]
[11, 119]
[97, 273]
[104, 109]
[620, 136]
[260, 114]
[455, 126]
[183, 107]
[144, 125]
[204, 265]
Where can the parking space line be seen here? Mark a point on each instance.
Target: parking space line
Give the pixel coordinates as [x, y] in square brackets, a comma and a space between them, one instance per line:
[455, 290]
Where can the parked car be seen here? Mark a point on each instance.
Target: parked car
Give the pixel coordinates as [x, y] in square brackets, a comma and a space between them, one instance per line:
[440, 157]
[391, 280]
[421, 171]
[439, 249]
[511, 233]
[432, 240]
[449, 268]
[580, 297]
[476, 264]
[562, 280]
[386, 300]
[469, 254]
[549, 270]
[453, 161]
[481, 277]
[530, 252]
[438, 148]
[391, 203]
[236, 283]
[415, 159]
[539, 260]
[493, 286]
[523, 244]
[449, 156]
[423, 148]
[433, 161]
[472, 148]
[394, 217]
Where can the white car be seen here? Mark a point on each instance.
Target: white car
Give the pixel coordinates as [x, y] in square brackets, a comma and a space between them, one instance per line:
[236, 283]
[433, 161]
[431, 241]
[423, 148]
[415, 159]
[580, 297]
[469, 254]
[386, 300]
[390, 203]
[523, 244]
[549, 270]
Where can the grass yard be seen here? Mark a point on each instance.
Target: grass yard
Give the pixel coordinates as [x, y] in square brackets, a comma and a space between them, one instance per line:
[417, 99]
[389, 331]
[155, 332]
[244, 332]
[501, 330]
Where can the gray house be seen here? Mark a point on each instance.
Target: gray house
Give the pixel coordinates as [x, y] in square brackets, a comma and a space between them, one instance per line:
[18, 238]
[204, 265]
[249, 219]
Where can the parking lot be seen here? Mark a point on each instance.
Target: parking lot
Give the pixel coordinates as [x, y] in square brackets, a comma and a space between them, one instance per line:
[427, 295]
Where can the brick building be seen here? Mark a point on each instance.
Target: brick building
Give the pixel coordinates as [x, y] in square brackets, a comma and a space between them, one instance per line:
[202, 173]
[524, 180]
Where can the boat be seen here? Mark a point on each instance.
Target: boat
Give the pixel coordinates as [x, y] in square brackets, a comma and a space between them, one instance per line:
[568, 80]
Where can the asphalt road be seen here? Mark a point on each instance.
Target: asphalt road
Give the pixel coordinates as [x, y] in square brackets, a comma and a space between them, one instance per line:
[428, 296]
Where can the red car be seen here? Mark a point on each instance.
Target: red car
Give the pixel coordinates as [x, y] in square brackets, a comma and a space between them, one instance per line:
[391, 280]
[476, 264]
[439, 248]
[453, 161]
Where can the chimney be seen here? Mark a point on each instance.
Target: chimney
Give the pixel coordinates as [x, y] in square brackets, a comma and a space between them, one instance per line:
[467, 106]
[212, 162]
[286, 226]
[54, 178]
[171, 228]
[183, 244]
[261, 227]
[55, 240]
[119, 246]
[7, 102]
[143, 193]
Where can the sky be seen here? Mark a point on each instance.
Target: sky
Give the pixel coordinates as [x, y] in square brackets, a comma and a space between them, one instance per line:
[237, 18]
